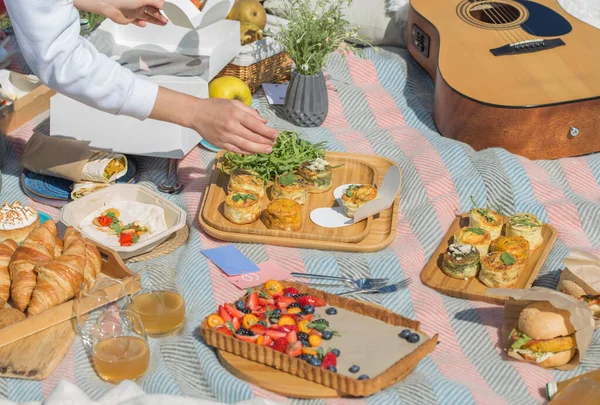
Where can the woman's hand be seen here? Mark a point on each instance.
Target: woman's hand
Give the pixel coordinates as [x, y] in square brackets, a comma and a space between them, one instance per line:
[227, 124]
[232, 125]
[138, 12]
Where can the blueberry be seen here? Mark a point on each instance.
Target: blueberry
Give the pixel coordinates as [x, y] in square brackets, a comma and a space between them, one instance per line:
[332, 369]
[305, 343]
[308, 309]
[305, 357]
[363, 377]
[314, 361]
[336, 352]
[240, 305]
[327, 335]
[354, 369]
[405, 334]
[413, 338]
[331, 311]
[288, 295]
[276, 313]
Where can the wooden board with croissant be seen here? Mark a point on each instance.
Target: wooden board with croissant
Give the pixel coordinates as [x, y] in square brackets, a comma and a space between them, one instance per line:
[42, 275]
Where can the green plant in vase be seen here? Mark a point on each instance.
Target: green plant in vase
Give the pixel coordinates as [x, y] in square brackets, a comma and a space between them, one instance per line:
[314, 30]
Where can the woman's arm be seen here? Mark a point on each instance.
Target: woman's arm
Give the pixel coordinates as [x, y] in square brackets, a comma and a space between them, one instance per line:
[48, 35]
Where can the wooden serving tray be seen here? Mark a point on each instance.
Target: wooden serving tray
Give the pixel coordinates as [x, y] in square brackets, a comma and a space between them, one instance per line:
[345, 386]
[31, 349]
[472, 289]
[371, 235]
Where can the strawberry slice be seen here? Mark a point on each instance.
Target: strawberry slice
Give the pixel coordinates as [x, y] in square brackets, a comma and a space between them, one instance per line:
[224, 330]
[233, 311]
[276, 334]
[236, 323]
[315, 332]
[307, 317]
[290, 290]
[284, 302]
[266, 301]
[224, 314]
[258, 329]
[252, 301]
[329, 360]
[251, 339]
[309, 300]
[267, 341]
[294, 349]
[287, 328]
[281, 345]
[292, 337]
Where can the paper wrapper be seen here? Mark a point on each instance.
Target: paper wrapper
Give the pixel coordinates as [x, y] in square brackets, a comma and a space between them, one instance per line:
[85, 188]
[581, 317]
[55, 156]
[583, 269]
[94, 168]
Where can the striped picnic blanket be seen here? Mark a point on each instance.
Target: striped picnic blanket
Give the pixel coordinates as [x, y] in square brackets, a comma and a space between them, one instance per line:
[383, 105]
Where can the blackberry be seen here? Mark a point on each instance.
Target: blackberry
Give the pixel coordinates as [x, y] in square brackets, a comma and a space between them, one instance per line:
[244, 332]
[305, 357]
[294, 305]
[327, 335]
[240, 305]
[246, 310]
[331, 311]
[302, 336]
[299, 295]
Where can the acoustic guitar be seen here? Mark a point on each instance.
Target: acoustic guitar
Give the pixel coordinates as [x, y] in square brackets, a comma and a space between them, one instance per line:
[518, 74]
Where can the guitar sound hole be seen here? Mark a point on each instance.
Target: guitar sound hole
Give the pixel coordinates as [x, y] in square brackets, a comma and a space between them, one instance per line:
[496, 13]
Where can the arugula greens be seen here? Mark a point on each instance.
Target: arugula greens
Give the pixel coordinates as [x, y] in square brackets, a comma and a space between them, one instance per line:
[484, 212]
[477, 231]
[349, 190]
[243, 197]
[289, 153]
[287, 179]
[507, 259]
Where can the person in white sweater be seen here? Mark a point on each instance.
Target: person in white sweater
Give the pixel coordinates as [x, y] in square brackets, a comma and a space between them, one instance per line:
[49, 38]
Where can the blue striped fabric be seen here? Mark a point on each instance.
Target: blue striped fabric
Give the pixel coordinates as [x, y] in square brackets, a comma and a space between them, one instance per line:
[468, 367]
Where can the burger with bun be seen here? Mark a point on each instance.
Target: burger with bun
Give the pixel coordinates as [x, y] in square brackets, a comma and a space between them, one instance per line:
[544, 335]
[571, 288]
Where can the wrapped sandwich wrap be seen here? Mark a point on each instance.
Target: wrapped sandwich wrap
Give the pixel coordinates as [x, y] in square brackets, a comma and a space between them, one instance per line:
[581, 317]
[84, 188]
[582, 269]
[71, 159]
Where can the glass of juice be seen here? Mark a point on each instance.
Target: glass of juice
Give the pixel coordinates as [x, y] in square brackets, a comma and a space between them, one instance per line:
[95, 297]
[159, 303]
[120, 347]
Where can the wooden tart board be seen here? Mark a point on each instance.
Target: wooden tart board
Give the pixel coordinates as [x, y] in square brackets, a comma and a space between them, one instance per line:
[32, 349]
[472, 289]
[374, 234]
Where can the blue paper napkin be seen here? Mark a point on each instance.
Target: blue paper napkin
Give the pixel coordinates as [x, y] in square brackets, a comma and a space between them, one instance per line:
[230, 260]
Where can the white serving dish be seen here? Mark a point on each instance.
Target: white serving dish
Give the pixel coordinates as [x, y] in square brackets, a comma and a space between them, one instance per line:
[75, 212]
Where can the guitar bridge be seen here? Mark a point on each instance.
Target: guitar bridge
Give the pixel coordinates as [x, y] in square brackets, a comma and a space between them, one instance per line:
[534, 45]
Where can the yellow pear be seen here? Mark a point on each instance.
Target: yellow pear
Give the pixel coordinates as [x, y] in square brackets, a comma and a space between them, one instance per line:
[251, 11]
[233, 13]
[231, 88]
[249, 33]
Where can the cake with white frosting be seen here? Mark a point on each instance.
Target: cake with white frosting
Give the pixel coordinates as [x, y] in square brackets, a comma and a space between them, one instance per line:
[17, 221]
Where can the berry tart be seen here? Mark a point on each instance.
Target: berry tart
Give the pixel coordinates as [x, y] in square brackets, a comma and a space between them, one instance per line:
[323, 338]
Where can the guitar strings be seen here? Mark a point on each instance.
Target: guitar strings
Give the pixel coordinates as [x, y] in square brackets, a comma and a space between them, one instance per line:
[508, 35]
[506, 6]
[507, 12]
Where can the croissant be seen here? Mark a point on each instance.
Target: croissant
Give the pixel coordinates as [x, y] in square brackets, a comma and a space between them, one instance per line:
[93, 263]
[37, 248]
[59, 280]
[58, 249]
[7, 249]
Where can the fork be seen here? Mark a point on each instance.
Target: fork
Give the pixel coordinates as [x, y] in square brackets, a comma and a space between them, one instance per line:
[380, 289]
[358, 284]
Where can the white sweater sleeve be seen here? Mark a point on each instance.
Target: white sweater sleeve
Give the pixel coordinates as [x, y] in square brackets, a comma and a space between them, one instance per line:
[48, 36]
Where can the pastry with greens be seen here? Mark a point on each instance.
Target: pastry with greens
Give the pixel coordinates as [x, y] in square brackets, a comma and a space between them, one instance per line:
[318, 174]
[461, 261]
[243, 207]
[516, 246]
[499, 270]
[290, 186]
[357, 195]
[480, 238]
[527, 226]
[246, 180]
[487, 219]
[284, 214]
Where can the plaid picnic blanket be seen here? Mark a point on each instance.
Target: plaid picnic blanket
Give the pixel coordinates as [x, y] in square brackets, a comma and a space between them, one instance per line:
[382, 105]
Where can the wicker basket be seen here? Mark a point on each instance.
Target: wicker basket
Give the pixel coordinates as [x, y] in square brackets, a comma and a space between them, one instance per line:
[275, 69]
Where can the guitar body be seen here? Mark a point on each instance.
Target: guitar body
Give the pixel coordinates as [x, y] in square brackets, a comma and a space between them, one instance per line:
[517, 74]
